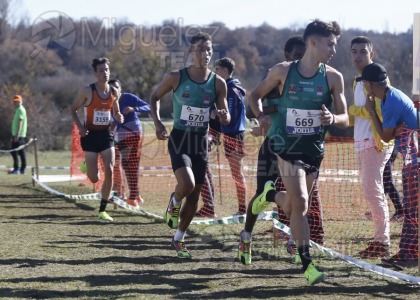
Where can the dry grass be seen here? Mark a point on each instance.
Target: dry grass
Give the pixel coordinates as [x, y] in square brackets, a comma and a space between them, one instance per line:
[52, 248]
[55, 249]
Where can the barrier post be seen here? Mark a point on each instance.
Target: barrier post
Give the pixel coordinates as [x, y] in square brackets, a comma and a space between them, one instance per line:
[416, 101]
[219, 172]
[276, 234]
[416, 93]
[32, 176]
[36, 158]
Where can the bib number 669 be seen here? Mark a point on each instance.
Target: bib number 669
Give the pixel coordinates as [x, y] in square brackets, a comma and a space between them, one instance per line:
[304, 122]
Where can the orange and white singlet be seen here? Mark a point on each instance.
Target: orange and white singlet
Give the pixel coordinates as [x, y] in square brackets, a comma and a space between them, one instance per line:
[98, 112]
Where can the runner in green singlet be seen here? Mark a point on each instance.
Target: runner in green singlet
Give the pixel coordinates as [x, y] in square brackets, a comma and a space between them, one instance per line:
[196, 89]
[308, 88]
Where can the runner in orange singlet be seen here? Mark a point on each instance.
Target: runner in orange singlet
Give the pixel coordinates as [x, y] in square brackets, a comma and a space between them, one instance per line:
[98, 101]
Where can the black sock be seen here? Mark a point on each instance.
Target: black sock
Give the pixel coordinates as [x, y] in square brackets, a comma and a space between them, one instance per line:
[271, 196]
[102, 207]
[304, 256]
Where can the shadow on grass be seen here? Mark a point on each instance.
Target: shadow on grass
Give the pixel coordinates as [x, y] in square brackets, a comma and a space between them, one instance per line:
[135, 260]
[195, 282]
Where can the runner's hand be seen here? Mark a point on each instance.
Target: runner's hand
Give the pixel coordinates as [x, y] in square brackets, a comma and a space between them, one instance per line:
[161, 132]
[222, 114]
[327, 118]
[119, 117]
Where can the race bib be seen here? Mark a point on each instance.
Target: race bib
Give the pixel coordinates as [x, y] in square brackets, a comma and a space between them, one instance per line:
[303, 121]
[194, 116]
[101, 117]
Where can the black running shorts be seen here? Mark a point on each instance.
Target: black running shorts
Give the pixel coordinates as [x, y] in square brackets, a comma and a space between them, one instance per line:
[97, 141]
[189, 149]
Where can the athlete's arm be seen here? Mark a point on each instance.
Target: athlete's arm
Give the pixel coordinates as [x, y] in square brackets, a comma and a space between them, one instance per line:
[168, 83]
[274, 78]
[335, 80]
[84, 96]
[221, 103]
[116, 112]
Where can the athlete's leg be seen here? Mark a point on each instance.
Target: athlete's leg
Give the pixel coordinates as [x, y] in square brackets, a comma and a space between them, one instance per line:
[296, 183]
[207, 193]
[189, 208]
[91, 159]
[315, 218]
[266, 170]
[185, 183]
[108, 159]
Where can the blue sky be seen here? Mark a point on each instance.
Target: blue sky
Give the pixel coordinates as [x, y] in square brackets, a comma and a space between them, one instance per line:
[377, 15]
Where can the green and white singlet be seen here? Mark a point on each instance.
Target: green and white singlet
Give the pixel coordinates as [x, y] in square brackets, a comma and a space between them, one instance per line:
[296, 126]
[192, 102]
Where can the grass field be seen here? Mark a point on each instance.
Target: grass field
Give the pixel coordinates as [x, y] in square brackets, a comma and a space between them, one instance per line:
[53, 248]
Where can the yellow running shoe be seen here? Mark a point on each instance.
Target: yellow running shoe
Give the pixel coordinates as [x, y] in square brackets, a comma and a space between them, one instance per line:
[260, 203]
[181, 250]
[244, 251]
[104, 217]
[171, 216]
[312, 274]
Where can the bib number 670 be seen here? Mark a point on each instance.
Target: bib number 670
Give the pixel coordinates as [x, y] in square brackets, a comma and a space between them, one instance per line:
[195, 118]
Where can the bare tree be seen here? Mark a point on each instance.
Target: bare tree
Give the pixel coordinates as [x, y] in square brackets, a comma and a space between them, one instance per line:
[4, 16]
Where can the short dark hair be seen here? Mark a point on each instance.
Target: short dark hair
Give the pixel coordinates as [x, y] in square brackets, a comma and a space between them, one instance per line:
[320, 28]
[200, 36]
[226, 62]
[292, 42]
[113, 81]
[362, 40]
[99, 61]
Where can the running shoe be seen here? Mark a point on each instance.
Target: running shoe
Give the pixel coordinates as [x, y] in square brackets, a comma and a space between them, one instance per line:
[244, 251]
[260, 203]
[104, 217]
[181, 250]
[291, 249]
[171, 216]
[312, 274]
